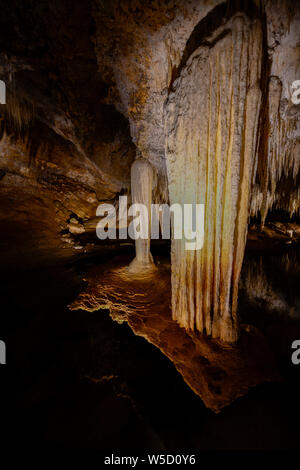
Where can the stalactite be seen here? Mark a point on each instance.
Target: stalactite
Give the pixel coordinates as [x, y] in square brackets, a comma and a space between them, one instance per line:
[287, 200]
[278, 156]
[211, 120]
[18, 111]
[141, 193]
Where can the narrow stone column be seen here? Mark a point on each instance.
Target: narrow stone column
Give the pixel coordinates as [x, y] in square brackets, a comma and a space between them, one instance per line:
[141, 193]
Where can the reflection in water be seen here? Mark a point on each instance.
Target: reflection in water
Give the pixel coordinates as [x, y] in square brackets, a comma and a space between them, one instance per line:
[270, 282]
[138, 399]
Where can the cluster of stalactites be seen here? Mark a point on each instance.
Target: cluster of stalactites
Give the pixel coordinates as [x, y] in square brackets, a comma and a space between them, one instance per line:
[18, 112]
[287, 200]
[278, 157]
[211, 123]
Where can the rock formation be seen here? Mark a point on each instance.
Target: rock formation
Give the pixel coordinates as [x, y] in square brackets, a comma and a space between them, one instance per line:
[211, 129]
[200, 91]
[219, 373]
[141, 194]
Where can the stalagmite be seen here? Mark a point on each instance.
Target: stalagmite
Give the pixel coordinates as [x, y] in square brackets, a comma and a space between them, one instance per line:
[141, 193]
[211, 120]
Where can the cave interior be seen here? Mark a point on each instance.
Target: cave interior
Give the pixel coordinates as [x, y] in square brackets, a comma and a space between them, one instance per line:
[116, 344]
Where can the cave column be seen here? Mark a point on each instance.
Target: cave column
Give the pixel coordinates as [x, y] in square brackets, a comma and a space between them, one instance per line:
[141, 193]
[211, 121]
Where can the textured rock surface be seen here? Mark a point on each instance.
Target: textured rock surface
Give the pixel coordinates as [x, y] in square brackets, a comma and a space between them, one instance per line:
[156, 56]
[90, 85]
[111, 65]
[211, 128]
[64, 148]
[277, 180]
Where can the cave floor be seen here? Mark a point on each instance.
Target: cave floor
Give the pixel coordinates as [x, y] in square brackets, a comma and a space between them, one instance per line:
[219, 373]
[79, 380]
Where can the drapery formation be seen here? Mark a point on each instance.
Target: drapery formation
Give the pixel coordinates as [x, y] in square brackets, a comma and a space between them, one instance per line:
[211, 121]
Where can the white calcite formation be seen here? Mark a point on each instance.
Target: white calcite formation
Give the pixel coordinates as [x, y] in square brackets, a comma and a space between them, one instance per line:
[187, 77]
[141, 193]
[211, 121]
[212, 137]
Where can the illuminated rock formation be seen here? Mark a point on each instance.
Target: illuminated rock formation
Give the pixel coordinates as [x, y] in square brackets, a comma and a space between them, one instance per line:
[178, 82]
[277, 185]
[278, 154]
[219, 373]
[141, 193]
[211, 125]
